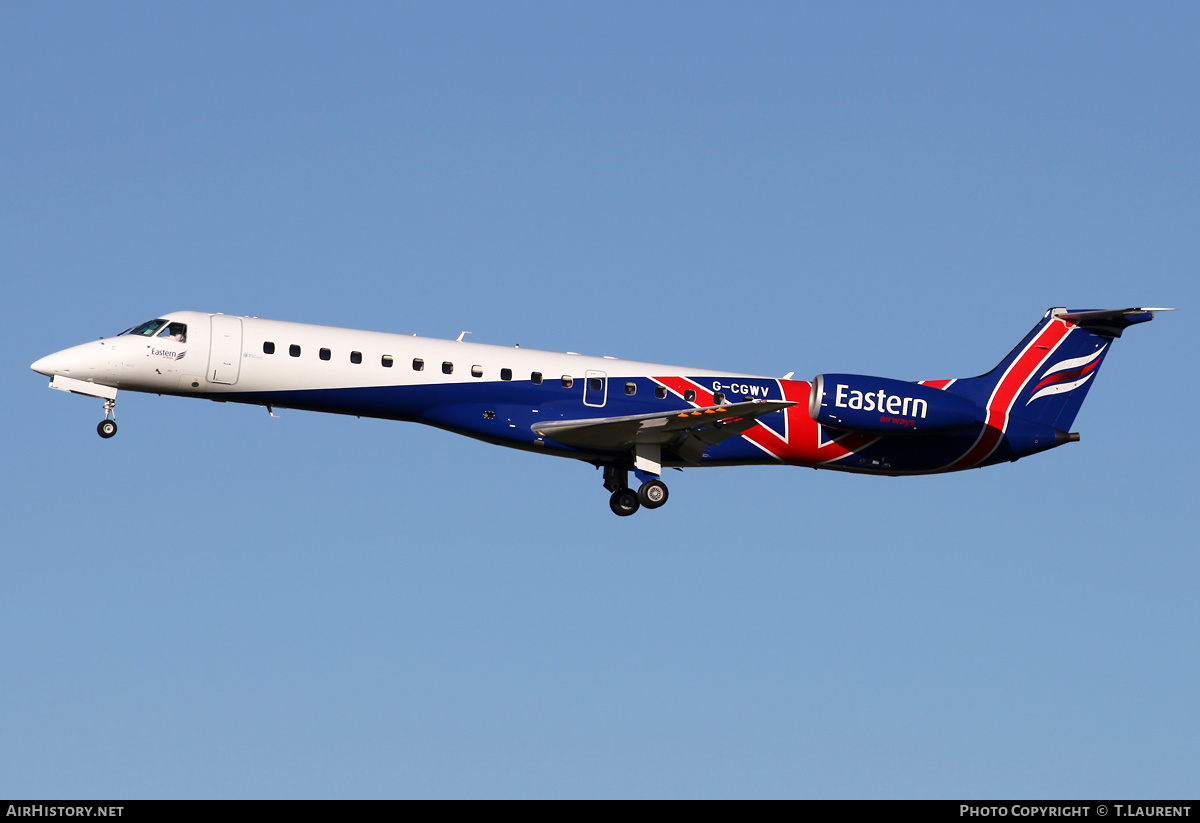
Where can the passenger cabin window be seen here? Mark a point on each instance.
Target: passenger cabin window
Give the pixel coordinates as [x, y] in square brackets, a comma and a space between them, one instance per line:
[386, 361]
[324, 354]
[660, 392]
[175, 331]
[595, 384]
[355, 357]
[567, 381]
[631, 389]
[536, 378]
[689, 395]
[719, 398]
[477, 371]
[506, 374]
[418, 364]
[447, 367]
[268, 347]
[294, 350]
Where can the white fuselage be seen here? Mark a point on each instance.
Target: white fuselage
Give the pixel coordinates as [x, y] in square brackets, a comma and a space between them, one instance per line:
[495, 393]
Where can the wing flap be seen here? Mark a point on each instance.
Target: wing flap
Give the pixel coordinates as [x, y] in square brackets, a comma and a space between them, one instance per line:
[674, 429]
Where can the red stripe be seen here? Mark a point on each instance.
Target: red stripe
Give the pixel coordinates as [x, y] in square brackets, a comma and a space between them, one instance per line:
[1067, 376]
[799, 445]
[1005, 393]
[759, 435]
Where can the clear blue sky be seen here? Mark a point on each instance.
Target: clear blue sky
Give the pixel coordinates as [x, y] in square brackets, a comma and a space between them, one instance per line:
[220, 604]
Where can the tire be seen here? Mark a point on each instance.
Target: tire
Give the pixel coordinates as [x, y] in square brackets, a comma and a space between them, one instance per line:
[107, 428]
[624, 502]
[652, 494]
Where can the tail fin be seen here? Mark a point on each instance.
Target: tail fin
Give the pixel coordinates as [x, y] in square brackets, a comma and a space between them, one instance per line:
[1045, 379]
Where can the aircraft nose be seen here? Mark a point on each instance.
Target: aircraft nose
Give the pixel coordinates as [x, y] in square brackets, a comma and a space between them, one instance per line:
[48, 365]
[87, 361]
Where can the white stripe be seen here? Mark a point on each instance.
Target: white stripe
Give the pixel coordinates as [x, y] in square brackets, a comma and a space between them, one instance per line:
[1060, 388]
[1075, 362]
[992, 397]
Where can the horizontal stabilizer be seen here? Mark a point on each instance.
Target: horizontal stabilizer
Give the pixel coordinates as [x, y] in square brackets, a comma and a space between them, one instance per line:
[706, 426]
[1108, 322]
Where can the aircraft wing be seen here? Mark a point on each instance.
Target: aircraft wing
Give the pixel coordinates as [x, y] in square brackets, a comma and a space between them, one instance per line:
[687, 432]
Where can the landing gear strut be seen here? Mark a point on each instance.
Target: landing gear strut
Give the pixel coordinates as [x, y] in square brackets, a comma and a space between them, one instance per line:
[624, 500]
[108, 426]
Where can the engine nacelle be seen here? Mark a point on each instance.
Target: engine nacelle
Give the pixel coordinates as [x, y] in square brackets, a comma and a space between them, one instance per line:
[879, 404]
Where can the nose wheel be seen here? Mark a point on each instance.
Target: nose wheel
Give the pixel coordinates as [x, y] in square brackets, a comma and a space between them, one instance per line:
[108, 426]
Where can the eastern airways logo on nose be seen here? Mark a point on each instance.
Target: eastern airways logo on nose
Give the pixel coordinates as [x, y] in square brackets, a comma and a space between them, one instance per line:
[168, 355]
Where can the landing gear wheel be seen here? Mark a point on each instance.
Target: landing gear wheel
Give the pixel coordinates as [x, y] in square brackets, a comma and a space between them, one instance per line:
[624, 502]
[652, 494]
[107, 428]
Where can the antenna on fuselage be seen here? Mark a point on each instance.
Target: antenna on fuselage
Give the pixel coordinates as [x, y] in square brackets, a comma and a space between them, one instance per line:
[461, 336]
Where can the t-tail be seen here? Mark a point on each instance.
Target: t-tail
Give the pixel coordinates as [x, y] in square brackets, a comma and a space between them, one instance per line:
[1029, 401]
[1025, 405]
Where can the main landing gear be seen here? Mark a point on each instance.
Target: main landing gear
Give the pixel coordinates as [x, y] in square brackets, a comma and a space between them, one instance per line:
[108, 426]
[624, 500]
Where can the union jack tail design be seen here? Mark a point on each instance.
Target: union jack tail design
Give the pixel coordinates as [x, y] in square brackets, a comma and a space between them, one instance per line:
[1042, 383]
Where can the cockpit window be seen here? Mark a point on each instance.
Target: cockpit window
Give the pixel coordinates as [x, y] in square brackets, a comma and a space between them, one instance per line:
[175, 331]
[147, 329]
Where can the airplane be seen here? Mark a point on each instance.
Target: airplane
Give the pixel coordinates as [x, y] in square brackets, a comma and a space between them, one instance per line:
[619, 415]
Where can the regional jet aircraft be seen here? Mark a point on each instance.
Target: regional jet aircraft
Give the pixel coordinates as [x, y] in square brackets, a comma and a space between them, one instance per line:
[620, 415]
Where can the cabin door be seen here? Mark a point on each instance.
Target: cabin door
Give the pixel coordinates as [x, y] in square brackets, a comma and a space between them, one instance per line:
[595, 388]
[225, 355]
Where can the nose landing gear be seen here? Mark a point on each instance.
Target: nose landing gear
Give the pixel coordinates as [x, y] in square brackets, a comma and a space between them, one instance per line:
[108, 426]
